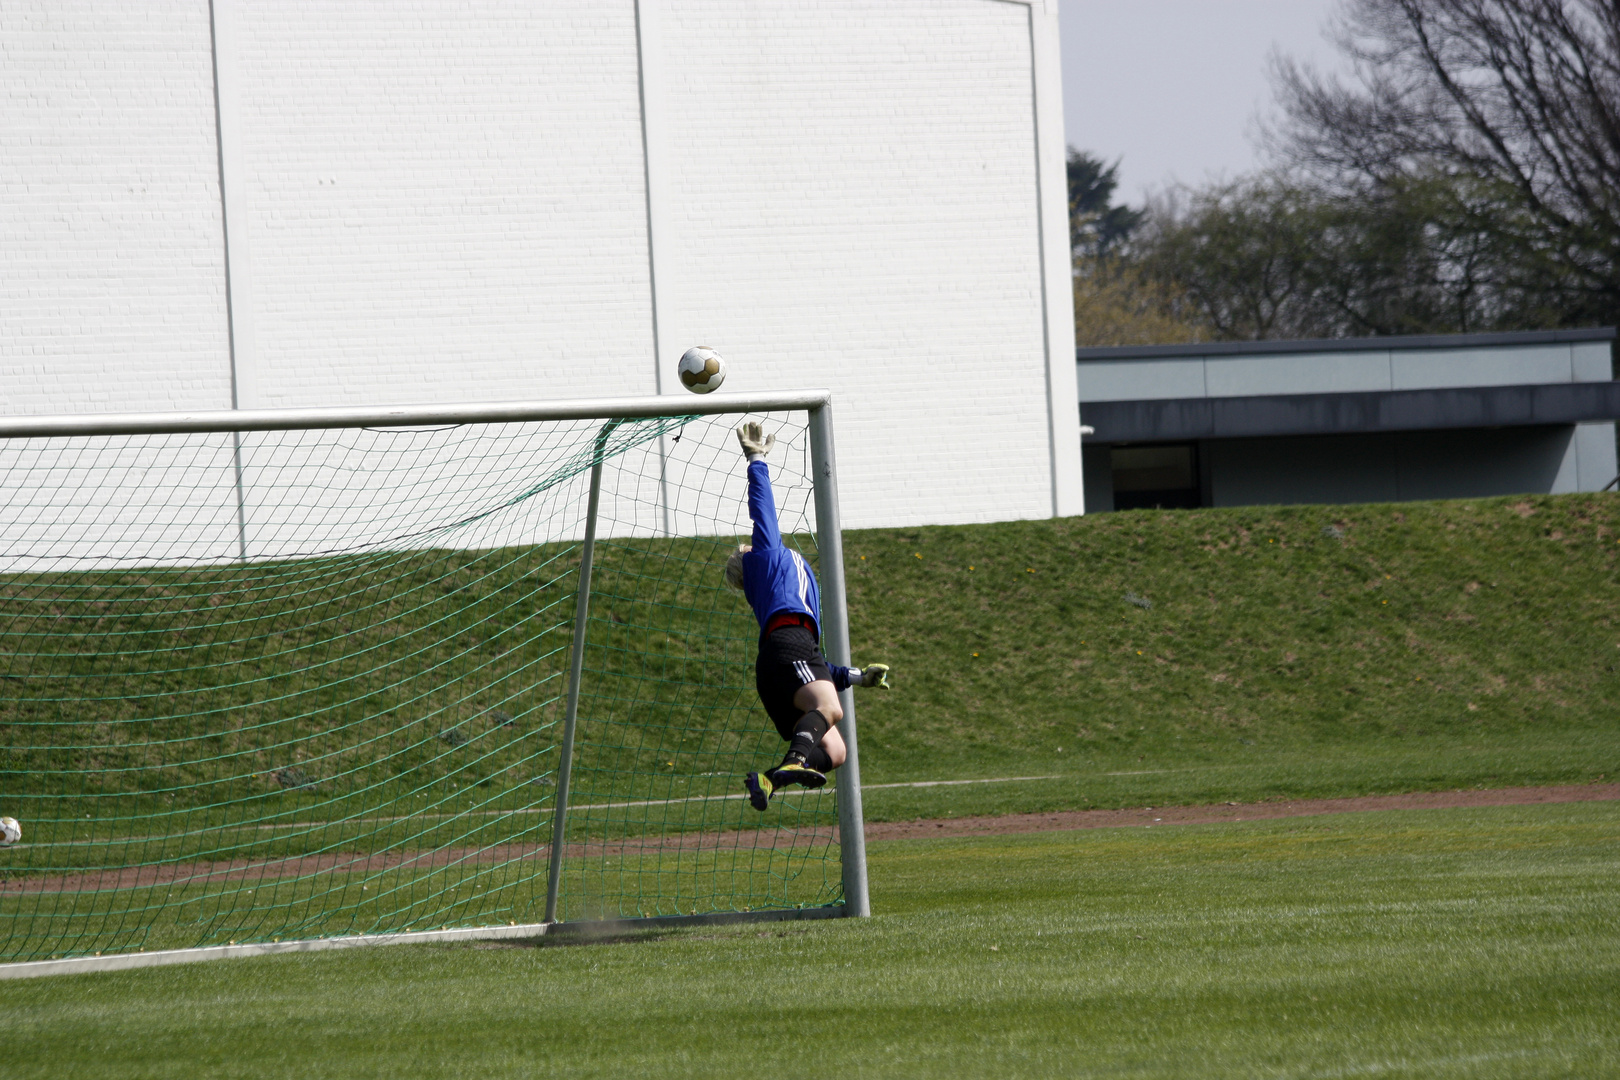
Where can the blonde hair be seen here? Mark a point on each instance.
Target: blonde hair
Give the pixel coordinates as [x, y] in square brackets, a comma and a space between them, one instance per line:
[734, 567]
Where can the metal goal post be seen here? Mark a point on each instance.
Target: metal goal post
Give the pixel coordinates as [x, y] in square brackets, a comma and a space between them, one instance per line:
[57, 879]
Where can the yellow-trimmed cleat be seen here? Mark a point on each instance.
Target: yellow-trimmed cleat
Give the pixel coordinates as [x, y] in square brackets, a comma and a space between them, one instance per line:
[794, 773]
[759, 790]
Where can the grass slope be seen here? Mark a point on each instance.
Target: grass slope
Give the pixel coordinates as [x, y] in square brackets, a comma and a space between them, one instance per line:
[1143, 657]
[1477, 943]
[1236, 654]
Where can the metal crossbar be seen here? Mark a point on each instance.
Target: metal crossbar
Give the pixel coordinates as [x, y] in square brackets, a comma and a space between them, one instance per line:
[227, 420]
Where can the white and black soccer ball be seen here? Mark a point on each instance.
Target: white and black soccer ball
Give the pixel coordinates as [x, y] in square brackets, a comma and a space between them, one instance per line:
[701, 369]
[10, 831]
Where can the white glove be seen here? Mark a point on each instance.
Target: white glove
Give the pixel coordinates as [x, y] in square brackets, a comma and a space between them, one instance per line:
[755, 443]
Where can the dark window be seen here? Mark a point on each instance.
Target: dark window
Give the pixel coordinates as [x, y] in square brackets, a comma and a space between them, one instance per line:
[1156, 477]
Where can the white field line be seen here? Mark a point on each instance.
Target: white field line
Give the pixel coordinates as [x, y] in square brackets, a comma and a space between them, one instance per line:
[948, 783]
[1422, 1065]
[522, 810]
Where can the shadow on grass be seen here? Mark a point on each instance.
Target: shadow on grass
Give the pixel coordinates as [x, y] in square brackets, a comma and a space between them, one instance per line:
[609, 935]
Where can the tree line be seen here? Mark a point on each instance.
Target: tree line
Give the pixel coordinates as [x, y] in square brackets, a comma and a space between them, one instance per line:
[1465, 176]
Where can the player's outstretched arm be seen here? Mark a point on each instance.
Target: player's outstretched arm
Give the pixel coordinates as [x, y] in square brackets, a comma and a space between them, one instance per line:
[871, 675]
[875, 675]
[761, 503]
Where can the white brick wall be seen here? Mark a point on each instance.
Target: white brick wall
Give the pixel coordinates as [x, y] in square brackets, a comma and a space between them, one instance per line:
[444, 201]
[112, 287]
[854, 205]
[433, 201]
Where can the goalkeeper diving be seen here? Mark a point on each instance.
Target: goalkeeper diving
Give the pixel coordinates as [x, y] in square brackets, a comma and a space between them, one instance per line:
[797, 686]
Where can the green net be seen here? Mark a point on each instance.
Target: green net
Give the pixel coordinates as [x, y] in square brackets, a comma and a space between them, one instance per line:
[273, 685]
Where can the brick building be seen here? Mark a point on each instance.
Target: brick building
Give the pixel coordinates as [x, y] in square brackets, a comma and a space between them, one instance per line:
[310, 203]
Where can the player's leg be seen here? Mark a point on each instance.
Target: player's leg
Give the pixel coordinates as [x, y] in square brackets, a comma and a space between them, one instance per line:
[812, 742]
[833, 744]
[821, 697]
[815, 748]
[779, 674]
[798, 689]
[791, 705]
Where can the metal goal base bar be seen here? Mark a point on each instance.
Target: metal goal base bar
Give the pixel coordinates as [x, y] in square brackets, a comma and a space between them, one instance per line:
[583, 931]
[592, 929]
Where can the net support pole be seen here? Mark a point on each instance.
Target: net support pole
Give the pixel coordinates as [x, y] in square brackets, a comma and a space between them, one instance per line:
[576, 667]
[241, 500]
[835, 640]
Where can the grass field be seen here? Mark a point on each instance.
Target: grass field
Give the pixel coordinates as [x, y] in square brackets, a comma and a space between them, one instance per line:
[1454, 943]
[275, 710]
[218, 726]
[1242, 654]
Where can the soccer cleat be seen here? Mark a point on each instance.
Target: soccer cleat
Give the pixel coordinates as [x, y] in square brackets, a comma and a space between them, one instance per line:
[759, 790]
[792, 772]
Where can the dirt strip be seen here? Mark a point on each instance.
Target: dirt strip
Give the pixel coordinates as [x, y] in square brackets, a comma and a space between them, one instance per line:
[1199, 815]
[360, 863]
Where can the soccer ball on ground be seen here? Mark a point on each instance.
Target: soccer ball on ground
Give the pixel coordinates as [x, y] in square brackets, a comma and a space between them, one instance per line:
[10, 831]
[701, 369]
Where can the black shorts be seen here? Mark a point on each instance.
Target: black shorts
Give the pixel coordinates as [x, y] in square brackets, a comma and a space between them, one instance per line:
[788, 659]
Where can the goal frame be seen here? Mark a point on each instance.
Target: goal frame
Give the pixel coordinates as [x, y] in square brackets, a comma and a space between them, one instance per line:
[816, 403]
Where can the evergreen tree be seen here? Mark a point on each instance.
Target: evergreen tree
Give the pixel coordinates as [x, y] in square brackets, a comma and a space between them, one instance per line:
[1097, 227]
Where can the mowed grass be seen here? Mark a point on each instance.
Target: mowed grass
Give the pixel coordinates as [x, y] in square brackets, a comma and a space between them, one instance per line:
[1475, 943]
[1241, 654]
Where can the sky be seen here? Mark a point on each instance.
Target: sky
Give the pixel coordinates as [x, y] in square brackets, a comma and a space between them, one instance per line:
[1173, 88]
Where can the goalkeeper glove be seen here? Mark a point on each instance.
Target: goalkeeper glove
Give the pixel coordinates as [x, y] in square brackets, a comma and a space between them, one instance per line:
[755, 443]
[875, 675]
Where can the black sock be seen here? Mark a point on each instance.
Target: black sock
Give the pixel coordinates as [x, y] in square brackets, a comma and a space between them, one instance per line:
[807, 735]
[819, 760]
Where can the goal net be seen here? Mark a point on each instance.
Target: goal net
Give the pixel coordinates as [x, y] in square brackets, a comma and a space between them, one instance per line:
[267, 683]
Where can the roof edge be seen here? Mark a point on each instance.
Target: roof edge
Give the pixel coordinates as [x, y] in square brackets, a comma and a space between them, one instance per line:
[1357, 412]
[1332, 345]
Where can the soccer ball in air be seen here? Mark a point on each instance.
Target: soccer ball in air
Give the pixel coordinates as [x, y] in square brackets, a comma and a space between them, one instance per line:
[701, 369]
[10, 831]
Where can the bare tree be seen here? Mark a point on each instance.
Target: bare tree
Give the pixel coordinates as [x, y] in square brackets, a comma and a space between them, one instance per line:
[1523, 95]
[1272, 257]
[1238, 252]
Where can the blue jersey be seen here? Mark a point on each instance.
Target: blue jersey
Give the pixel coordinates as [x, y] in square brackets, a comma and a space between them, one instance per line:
[775, 577]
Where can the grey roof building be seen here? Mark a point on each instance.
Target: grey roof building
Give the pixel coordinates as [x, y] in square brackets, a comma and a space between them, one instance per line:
[1357, 420]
